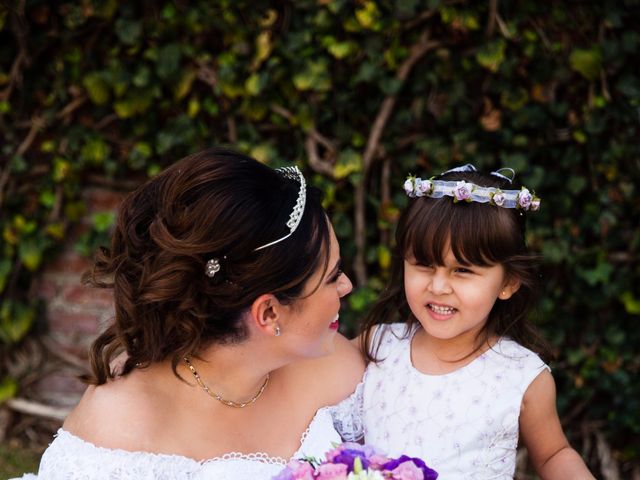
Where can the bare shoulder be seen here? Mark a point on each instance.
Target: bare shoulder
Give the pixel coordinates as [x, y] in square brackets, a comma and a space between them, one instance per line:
[336, 375]
[119, 414]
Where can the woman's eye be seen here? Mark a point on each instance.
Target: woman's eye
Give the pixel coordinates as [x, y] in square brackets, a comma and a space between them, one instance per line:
[463, 270]
[337, 275]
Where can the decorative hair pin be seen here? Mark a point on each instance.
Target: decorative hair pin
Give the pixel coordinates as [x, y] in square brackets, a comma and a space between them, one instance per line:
[463, 191]
[212, 267]
[293, 173]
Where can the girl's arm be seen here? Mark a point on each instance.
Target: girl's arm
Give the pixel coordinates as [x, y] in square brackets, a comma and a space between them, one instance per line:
[549, 450]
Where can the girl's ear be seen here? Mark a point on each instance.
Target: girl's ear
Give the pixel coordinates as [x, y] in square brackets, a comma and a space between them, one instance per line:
[511, 286]
[266, 313]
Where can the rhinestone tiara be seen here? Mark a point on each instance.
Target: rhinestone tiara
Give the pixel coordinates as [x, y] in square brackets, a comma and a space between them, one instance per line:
[292, 173]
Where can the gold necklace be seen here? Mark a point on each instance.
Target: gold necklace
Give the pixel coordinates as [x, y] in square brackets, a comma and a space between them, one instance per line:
[217, 396]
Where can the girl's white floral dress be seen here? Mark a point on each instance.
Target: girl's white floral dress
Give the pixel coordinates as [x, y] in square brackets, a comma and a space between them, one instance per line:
[463, 424]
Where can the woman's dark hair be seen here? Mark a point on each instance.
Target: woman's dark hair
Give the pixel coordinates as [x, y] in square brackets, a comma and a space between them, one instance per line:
[213, 204]
[478, 234]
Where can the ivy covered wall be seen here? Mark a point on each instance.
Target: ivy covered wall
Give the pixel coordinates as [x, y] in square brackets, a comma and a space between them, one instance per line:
[358, 93]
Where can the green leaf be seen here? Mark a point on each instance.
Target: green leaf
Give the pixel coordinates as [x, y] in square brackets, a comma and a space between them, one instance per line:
[8, 389]
[15, 321]
[183, 87]
[169, 57]
[587, 62]
[315, 76]
[97, 88]
[95, 151]
[102, 221]
[128, 31]
[491, 55]
[631, 303]
[349, 161]
[5, 270]
[368, 15]
[30, 253]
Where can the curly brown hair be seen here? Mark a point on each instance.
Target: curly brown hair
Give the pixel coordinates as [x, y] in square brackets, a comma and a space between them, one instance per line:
[478, 234]
[214, 204]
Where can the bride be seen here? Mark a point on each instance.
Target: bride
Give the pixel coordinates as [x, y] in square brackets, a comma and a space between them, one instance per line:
[223, 355]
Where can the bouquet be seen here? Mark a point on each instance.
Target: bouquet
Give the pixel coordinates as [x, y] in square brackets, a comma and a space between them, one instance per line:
[352, 461]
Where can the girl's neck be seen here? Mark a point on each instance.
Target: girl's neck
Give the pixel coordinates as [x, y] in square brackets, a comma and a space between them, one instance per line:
[437, 356]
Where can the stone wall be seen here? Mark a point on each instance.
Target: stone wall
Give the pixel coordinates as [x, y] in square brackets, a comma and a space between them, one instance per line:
[74, 313]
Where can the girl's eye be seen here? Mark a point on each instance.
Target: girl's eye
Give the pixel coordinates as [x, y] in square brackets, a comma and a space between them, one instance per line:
[463, 270]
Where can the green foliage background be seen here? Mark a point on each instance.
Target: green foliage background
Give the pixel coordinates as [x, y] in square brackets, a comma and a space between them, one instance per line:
[358, 93]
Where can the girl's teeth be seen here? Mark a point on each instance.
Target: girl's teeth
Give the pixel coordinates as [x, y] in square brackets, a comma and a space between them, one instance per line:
[442, 310]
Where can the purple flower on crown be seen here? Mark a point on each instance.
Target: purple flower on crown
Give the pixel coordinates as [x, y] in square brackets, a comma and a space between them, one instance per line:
[535, 204]
[462, 191]
[498, 198]
[409, 186]
[423, 187]
[524, 198]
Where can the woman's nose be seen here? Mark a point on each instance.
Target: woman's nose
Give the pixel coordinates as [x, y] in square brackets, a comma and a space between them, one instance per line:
[344, 285]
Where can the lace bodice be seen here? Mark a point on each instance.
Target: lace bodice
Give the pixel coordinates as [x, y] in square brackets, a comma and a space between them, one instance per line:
[464, 424]
[71, 458]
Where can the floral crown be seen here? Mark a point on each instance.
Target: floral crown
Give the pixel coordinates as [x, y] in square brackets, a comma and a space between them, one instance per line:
[293, 173]
[463, 191]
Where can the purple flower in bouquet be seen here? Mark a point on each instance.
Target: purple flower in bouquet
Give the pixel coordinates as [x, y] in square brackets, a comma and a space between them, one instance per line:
[428, 474]
[347, 453]
[352, 461]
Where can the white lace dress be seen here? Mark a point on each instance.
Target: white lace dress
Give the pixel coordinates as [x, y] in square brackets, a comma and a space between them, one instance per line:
[463, 424]
[71, 458]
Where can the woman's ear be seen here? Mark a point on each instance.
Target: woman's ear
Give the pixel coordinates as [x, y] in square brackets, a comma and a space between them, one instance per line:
[266, 312]
[511, 286]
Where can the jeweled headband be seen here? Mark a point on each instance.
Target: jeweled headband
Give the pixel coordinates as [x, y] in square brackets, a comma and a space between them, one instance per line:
[292, 173]
[213, 266]
[463, 191]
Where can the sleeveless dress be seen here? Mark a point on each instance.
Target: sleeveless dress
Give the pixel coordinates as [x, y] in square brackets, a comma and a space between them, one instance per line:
[71, 458]
[463, 424]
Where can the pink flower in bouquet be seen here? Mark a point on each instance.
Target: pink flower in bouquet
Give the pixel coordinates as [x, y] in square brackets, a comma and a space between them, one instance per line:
[332, 471]
[352, 461]
[296, 470]
[377, 461]
[408, 471]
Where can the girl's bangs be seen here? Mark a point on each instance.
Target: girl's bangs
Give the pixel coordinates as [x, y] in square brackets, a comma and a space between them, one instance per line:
[477, 234]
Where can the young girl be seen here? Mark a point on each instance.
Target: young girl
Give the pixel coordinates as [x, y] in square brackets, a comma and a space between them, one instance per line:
[453, 377]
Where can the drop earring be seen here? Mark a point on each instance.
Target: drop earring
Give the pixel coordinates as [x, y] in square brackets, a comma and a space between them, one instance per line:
[278, 332]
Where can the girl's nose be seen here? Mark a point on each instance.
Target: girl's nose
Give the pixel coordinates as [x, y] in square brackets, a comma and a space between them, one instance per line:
[439, 284]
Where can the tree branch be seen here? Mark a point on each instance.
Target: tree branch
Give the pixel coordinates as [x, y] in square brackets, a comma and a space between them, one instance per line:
[319, 164]
[491, 20]
[418, 50]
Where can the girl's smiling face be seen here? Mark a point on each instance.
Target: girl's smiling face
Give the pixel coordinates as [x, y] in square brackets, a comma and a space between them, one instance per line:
[453, 301]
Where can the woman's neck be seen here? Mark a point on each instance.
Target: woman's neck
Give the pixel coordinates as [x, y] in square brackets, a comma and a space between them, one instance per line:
[234, 372]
